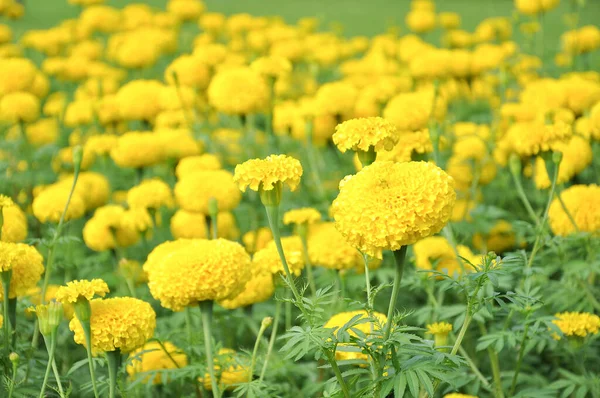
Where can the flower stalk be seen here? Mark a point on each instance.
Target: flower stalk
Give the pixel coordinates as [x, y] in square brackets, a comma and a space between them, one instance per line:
[399, 256]
[114, 362]
[206, 308]
[266, 322]
[6, 277]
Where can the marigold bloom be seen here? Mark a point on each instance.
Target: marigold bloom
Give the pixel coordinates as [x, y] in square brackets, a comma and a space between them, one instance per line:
[577, 324]
[264, 174]
[272, 66]
[583, 204]
[499, 239]
[259, 288]
[539, 137]
[268, 258]
[228, 369]
[109, 228]
[194, 191]
[139, 99]
[238, 91]
[19, 107]
[364, 134]
[348, 351]
[50, 203]
[92, 187]
[190, 225]
[389, 205]
[436, 253]
[577, 155]
[153, 357]
[191, 71]
[81, 290]
[191, 164]
[198, 270]
[306, 215]
[337, 98]
[257, 240]
[150, 194]
[122, 323]
[26, 264]
[137, 149]
[328, 248]
[14, 225]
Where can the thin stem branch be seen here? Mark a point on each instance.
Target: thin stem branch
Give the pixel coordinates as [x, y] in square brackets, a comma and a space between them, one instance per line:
[206, 308]
[50, 348]
[271, 340]
[338, 374]
[309, 270]
[114, 361]
[399, 256]
[367, 280]
[88, 348]
[513, 385]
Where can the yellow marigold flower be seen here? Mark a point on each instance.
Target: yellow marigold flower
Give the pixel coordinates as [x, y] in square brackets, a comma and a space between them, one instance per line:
[190, 164]
[18, 75]
[412, 111]
[328, 248]
[50, 203]
[191, 71]
[122, 323]
[449, 20]
[101, 144]
[190, 225]
[272, 66]
[194, 191]
[389, 205]
[199, 270]
[306, 215]
[541, 137]
[81, 290]
[257, 240]
[212, 21]
[420, 21]
[577, 324]
[178, 143]
[229, 370]
[148, 360]
[348, 351]
[139, 99]
[268, 258]
[14, 225]
[42, 132]
[439, 328]
[150, 194]
[337, 98]
[238, 91]
[499, 239]
[92, 187]
[265, 174]
[458, 395]
[160, 252]
[137, 219]
[132, 270]
[19, 107]
[109, 228]
[26, 264]
[436, 253]
[185, 10]
[137, 149]
[365, 133]
[583, 204]
[577, 155]
[259, 288]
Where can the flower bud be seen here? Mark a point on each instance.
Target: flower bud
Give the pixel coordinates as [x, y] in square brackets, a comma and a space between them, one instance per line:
[14, 357]
[271, 197]
[213, 206]
[77, 157]
[266, 322]
[83, 310]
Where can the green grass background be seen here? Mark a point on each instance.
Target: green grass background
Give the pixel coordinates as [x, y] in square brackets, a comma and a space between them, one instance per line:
[359, 17]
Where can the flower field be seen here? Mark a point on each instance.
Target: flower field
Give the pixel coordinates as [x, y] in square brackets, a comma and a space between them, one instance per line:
[300, 198]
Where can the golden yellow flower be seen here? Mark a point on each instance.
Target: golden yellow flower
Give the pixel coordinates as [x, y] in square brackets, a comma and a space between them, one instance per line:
[81, 290]
[110, 228]
[50, 203]
[499, 239]
[328, 248]
[150, 194]
[577, 324]
[139, 99]
[92, 187]
[349, 351]
[439, 328]
[412, 111]
[264, 174]
[14, 225]
[190, 225]
[185, 10]
[238, 91]
[122, 323]
[229, 370]
[337, 98]
[137, 149]
[365, 133]
[449, 20]
[577, 155]
[26, 264]
[194, 191]
[268, 258]
[148, 361]
[436, 253]
[19, 107]
[190, 70]
[42, 132]
[259, 288]
[539, 137]
[583, 204]
[198, 270]
[190, 164]
[458, 395]
[272, 66]
[257, 240]
[388, 205]
[420, 20]
[306, 215]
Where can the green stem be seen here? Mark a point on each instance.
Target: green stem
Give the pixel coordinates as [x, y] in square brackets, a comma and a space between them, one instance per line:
[461, 333]
[513, 386]
[50, 349]
[271, 340]
[399, 256]
[261, 331]
[206, 308]
[273, 217]
[521, 193]
[6, 276]
[312, 162]
[114, 361]
[188, 327]
[309, 270]
[475, 369]
[13, 381]
[567, 212]
[498, 393]
[367, 280]
[57, 378]
[338, 374]
[88, 348]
